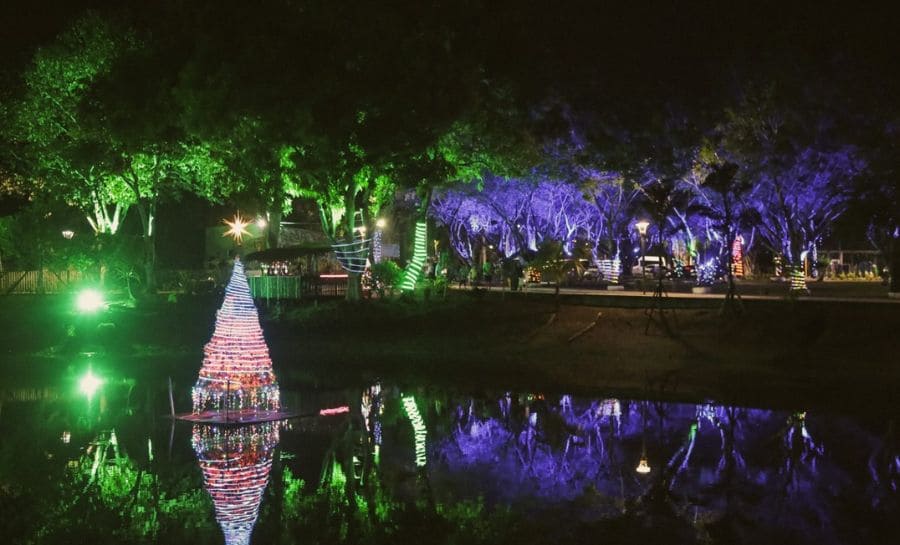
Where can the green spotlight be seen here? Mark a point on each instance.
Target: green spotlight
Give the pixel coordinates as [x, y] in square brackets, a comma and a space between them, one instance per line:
[89, 384]
[90, 300]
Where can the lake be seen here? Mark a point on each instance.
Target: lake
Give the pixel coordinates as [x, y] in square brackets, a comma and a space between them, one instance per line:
[411, 463]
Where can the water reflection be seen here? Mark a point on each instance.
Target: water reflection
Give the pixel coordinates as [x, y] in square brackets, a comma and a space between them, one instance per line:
[501, 467]
[236, 462]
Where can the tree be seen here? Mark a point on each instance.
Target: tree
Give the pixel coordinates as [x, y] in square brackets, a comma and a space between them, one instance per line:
[800, 171]
[721, 198]
[131, 112]
[50, 148]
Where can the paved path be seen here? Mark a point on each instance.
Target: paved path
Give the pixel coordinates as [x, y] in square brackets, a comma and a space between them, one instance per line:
[711, 297]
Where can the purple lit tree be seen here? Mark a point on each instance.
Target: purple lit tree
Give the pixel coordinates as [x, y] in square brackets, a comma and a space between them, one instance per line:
[515, 215]
[800, 170]
[613, 199]
[879, 197]
[799, 199]
[721, 199]
[663, 200]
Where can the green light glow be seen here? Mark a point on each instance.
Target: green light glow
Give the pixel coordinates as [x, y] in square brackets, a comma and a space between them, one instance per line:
[420, 254]
[418, 424]
[89, 384]
[90, 300]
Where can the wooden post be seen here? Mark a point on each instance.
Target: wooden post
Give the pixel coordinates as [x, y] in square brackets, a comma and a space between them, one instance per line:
[171, 400]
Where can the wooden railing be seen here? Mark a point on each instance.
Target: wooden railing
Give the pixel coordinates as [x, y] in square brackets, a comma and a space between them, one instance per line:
[37, 282]
[296, 287]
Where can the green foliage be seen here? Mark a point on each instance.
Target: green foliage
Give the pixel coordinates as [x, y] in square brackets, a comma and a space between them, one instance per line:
[386, 277]
[553, 263]
[54, 150]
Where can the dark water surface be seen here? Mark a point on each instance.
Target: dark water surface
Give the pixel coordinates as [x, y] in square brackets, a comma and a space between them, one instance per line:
[418, 464]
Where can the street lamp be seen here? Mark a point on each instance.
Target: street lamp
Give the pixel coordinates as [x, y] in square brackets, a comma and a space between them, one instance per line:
[68, 234]
[641, 226]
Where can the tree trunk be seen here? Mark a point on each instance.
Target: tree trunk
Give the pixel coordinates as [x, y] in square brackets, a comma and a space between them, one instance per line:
[150, 264]
[274, 228]
[146, 211]
[354, 284]
[354, 287]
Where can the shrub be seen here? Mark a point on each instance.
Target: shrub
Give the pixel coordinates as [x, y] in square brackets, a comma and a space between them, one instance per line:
[385, 276]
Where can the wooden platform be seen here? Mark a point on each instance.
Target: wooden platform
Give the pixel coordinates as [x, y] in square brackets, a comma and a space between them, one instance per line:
[235, 418]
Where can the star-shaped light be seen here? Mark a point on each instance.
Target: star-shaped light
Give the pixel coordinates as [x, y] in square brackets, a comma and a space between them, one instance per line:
[237, 228]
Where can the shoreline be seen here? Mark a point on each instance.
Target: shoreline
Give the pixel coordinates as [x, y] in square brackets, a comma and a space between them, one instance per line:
[774, 355]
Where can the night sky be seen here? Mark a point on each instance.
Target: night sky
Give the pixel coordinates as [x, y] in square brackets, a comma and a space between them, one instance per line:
[682, 47]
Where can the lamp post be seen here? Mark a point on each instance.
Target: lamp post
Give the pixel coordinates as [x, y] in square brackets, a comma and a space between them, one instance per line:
[641, 226]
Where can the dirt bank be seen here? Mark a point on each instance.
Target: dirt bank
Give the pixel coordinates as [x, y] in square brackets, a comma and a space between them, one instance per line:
[775, 353]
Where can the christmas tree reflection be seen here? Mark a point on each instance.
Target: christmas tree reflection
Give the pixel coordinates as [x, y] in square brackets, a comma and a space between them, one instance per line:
[236, 462]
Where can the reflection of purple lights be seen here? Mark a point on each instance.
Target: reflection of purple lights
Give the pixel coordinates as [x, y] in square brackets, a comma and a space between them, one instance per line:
[705, 455]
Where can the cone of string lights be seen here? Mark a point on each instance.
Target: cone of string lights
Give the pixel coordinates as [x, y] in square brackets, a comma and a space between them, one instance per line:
[236, 462]
[236, 375]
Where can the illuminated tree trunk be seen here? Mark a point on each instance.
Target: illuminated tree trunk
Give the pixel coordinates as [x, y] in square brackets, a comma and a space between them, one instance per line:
[413, 271]
[354, 280]
[798, 280]
[147, 211]
[420, 253]
[273, 229]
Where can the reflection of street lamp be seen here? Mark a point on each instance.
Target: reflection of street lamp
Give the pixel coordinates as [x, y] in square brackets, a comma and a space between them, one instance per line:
[643, 467]
[641, 226]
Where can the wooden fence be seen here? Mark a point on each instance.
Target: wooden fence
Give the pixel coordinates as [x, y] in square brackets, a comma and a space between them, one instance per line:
[37, 282]
[261, 287]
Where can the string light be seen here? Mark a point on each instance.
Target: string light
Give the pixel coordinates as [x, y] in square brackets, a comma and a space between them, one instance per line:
[377, 246]
[798, 281]
[611, 269]
[418, 424]
[737, 256]
[420, 253]
[236, 463]
[706, 273]
[372, 408]
[334, 410]
[353, 255]
[237, 370]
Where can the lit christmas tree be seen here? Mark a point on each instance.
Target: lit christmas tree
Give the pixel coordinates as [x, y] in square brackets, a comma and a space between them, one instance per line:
[236, 463]
[237, 370]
